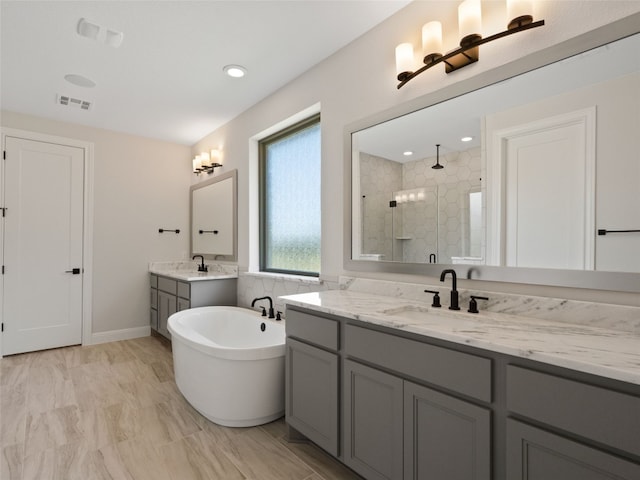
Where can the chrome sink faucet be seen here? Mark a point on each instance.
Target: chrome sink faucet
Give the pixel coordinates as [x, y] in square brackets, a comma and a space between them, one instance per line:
[454, 287]
[201, 266]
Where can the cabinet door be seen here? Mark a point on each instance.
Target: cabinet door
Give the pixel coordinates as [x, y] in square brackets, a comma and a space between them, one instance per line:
[153, 320]
[534, 454]
[166, 308]
[445, 437]
[372, 422]
[312, 393]
[182, 304]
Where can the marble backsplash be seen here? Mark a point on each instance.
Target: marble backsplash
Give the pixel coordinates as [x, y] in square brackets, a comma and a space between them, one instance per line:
[251, 285]
[254, 285]
[615, 317]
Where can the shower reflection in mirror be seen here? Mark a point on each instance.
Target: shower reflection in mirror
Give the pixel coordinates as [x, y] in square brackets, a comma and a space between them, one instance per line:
[414, 213]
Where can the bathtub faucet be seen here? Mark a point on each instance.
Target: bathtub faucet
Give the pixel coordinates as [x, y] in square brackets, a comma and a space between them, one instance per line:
[271, 312]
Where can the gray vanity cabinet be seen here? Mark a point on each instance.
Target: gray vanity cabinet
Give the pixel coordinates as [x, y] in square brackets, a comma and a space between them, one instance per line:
[312, 376]
[373, 422]
[564, 408]
[412, 407]
[169, 295]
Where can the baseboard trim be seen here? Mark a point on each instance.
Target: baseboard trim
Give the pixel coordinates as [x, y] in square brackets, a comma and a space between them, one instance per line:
[116, 335]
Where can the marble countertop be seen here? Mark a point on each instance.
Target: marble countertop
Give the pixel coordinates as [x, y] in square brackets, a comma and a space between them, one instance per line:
[595, 350]
[193, 276]
[188, 271]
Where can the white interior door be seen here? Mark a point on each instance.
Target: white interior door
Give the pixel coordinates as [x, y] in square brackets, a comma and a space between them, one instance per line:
[43, 238]
[549, 213]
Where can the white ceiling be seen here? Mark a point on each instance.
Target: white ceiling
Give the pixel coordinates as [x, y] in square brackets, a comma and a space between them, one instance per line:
[165, 81]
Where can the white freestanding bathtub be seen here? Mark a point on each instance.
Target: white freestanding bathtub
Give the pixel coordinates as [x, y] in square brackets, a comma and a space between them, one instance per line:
[229, 364]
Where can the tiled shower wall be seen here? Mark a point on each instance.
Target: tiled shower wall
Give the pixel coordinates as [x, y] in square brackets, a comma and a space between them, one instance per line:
[378, 178]
[439, 224]
[460, 176]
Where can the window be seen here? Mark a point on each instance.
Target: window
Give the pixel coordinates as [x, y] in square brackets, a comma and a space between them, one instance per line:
[290, 200]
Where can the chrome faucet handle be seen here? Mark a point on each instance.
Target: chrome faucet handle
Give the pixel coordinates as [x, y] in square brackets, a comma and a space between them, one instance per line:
[436, 298]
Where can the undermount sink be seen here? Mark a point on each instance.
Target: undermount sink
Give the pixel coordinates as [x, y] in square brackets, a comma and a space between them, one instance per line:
[418, 312]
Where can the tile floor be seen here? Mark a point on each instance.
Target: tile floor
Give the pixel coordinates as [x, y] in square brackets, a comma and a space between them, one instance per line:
[113, 411]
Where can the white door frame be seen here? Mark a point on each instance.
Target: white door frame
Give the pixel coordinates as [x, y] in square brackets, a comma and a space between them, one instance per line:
[496, 181]
[87, 242]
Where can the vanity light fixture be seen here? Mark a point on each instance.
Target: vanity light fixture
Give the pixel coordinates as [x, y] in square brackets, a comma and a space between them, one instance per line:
[207, 162]
[437, 166]
[469, 23]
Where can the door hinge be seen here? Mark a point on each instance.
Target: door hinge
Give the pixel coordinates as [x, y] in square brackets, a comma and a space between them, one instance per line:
[4, 211]
[4, 154]
[2, 269]
[2, 329]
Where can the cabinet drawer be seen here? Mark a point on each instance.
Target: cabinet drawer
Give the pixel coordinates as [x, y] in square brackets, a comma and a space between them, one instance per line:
[460, 372]
[593, 412]
[154, 298]
[184, 290]
[314, 329]
[167, 285]
[154, 281]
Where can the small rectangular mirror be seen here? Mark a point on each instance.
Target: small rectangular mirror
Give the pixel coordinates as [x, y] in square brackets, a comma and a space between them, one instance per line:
[214, 217]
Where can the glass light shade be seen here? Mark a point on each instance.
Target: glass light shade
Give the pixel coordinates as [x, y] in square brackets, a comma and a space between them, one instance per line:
[216, 156]
[519, 8]
[404, 58]
[197, 165]
[431, 38]
[205, 159]
[469, 18]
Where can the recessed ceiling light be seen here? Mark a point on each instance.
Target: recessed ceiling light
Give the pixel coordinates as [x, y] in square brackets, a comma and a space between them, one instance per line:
[235, 71]
[79, 80]
[466, 139]
[408, 153]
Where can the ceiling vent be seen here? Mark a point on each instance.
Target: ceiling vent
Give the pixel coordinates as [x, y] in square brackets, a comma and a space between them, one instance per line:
[73, 102]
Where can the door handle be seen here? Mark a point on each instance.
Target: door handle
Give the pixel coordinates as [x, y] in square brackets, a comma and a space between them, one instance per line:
[75, 271]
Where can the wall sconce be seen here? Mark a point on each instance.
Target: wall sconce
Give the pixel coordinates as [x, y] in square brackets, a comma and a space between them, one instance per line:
[469, 24]
[207, 162]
